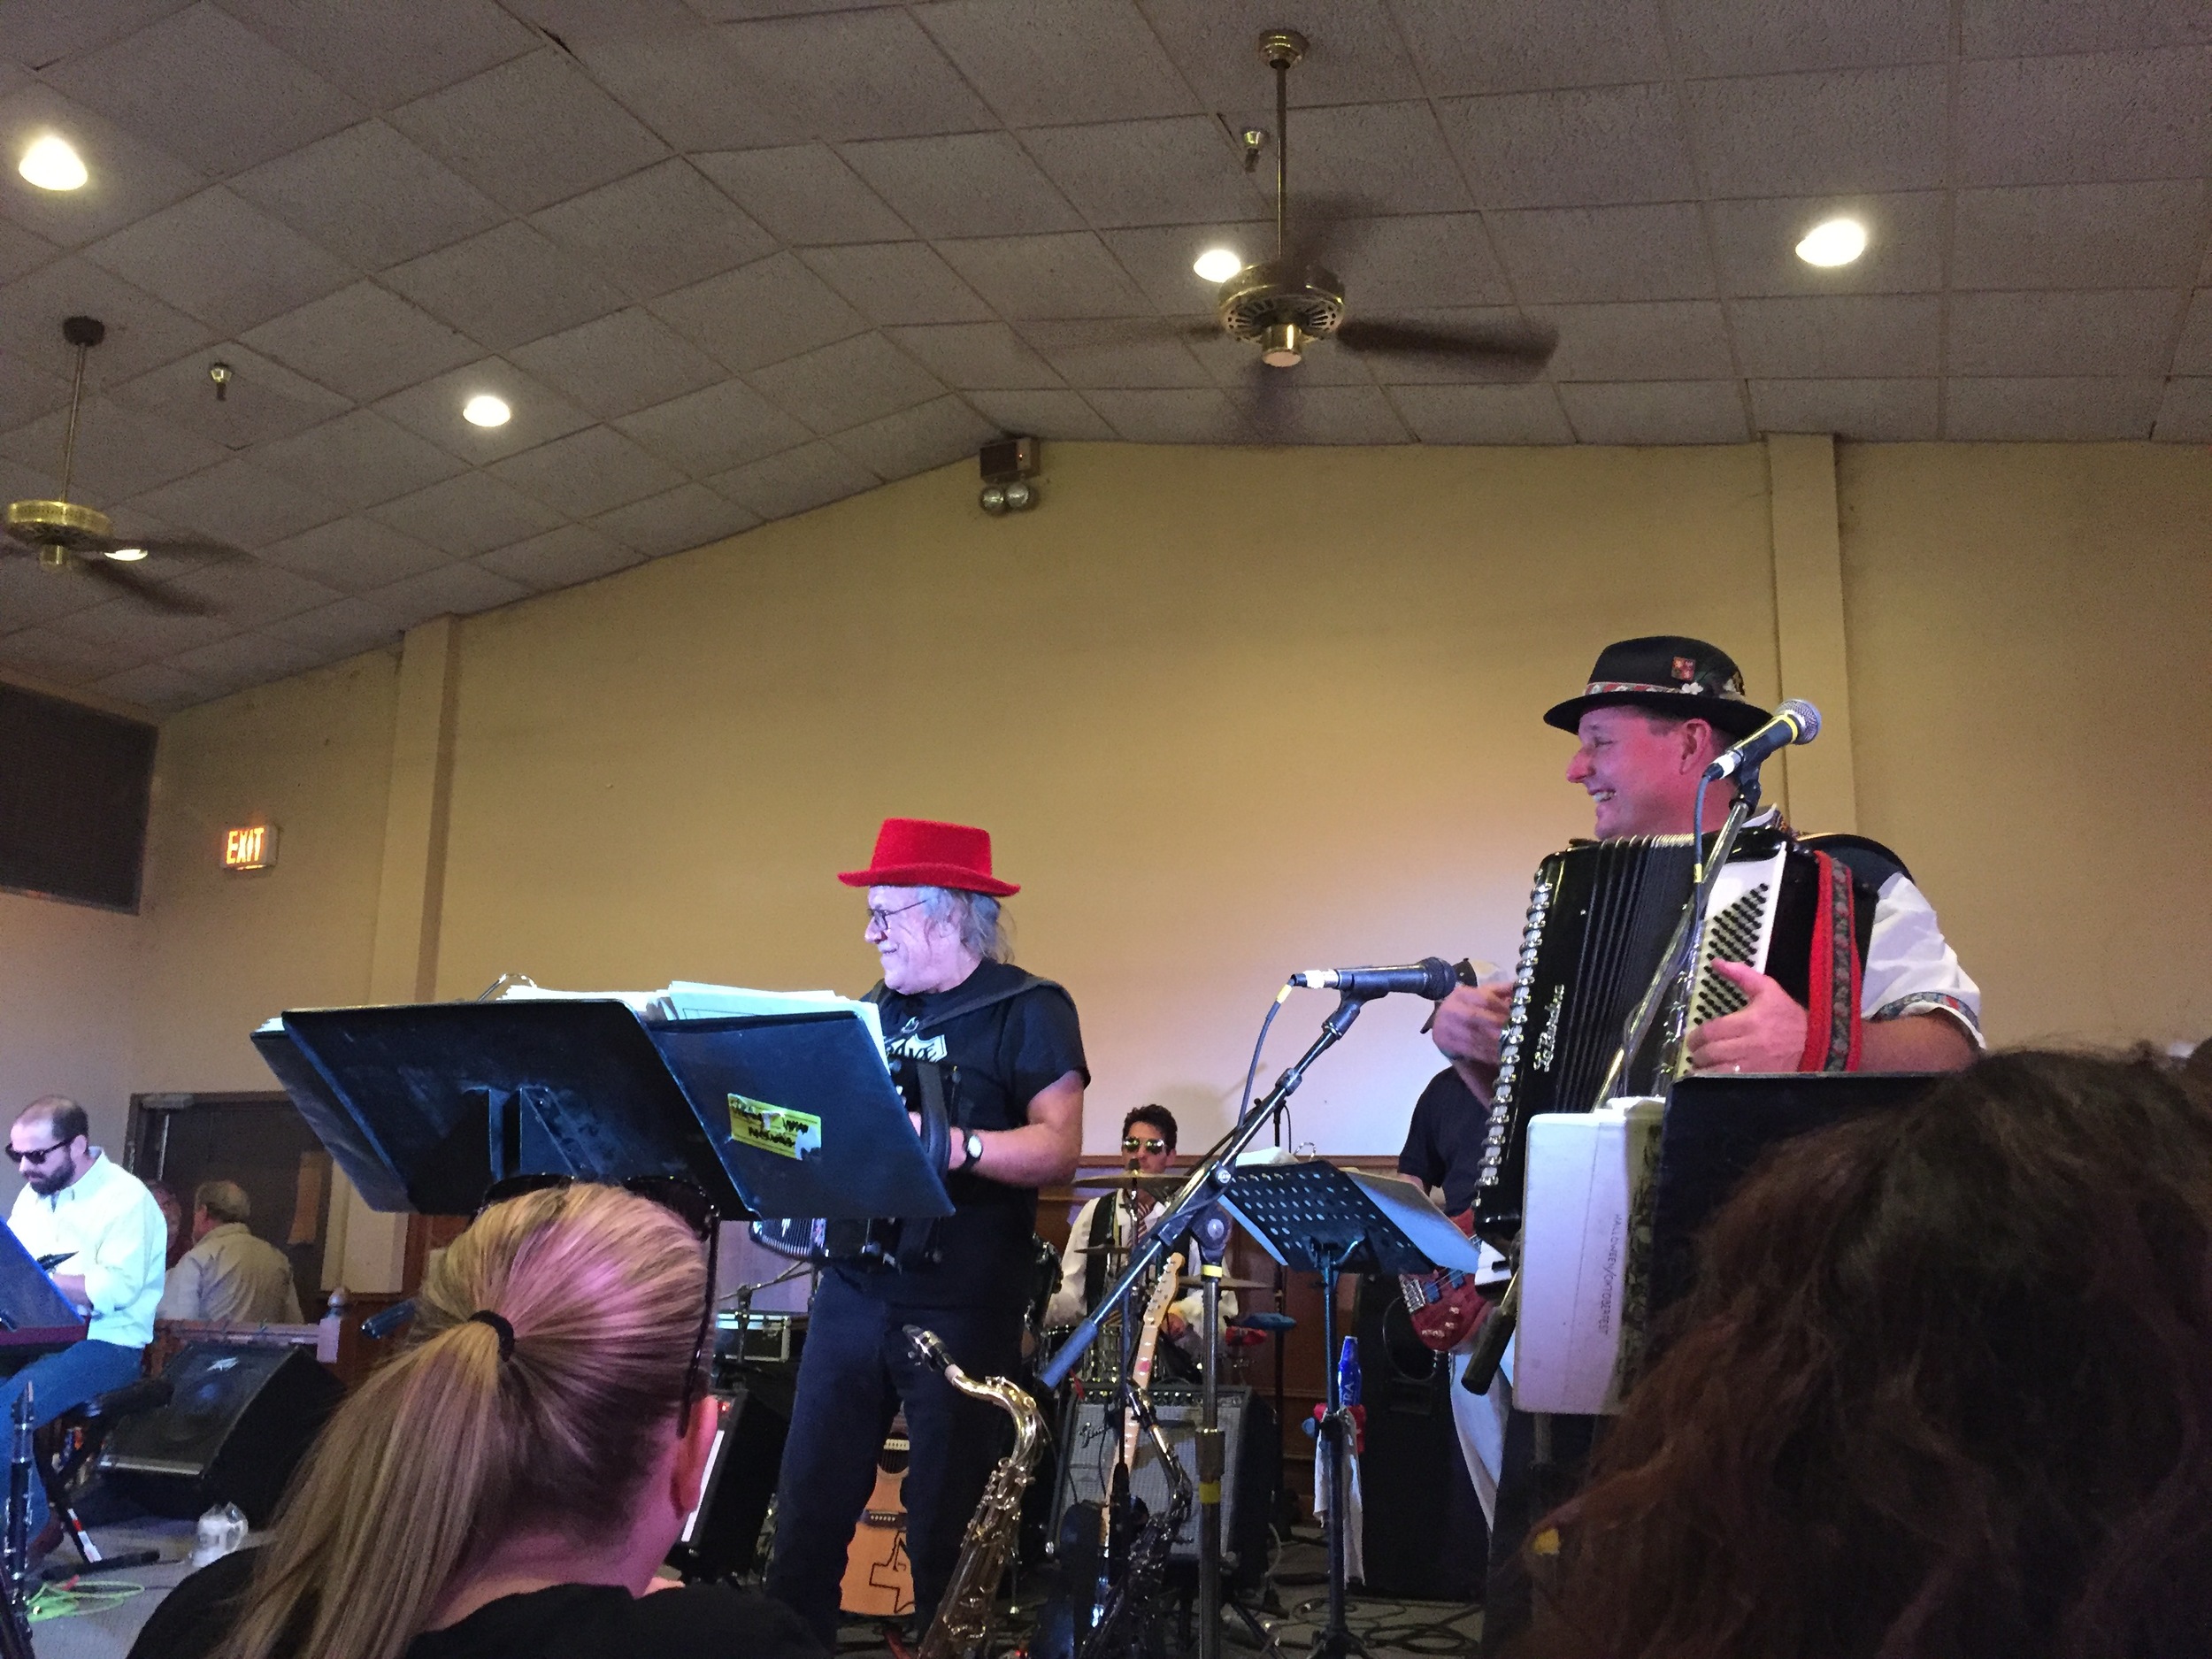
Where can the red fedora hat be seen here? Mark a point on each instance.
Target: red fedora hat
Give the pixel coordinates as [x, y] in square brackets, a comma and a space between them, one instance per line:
[920, 852]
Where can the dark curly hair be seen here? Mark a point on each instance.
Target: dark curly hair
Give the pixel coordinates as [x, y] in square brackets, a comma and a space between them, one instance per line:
[1944, 1388]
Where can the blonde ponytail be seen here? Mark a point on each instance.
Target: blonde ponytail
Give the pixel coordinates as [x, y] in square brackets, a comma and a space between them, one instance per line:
[450, 1449]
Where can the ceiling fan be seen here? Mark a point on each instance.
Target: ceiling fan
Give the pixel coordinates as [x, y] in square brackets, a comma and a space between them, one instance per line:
[1285, 303]
[68, 535]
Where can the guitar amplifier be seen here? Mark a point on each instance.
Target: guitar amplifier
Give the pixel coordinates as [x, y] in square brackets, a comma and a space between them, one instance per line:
[1249, 1463]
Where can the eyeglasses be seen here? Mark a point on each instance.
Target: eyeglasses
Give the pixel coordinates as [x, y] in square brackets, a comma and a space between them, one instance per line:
[880, 919]
[1142, 1143]
[39, 1156]
[683, 1199]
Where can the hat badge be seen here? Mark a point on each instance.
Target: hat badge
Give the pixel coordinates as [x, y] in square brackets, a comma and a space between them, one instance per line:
[1685, 668]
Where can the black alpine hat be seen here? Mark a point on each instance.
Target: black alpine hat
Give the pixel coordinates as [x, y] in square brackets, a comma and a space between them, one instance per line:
[1667, 674]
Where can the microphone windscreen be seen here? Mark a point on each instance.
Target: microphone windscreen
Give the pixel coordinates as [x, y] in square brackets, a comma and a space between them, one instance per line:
[1807, 720]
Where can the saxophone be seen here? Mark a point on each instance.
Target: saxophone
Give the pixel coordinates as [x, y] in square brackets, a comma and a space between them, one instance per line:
[962, 1626]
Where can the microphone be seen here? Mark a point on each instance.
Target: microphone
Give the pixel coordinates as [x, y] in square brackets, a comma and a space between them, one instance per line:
[1796, 721]
[1431, 977]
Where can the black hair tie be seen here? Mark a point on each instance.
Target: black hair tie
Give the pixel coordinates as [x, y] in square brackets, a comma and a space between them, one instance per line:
[499, 1328]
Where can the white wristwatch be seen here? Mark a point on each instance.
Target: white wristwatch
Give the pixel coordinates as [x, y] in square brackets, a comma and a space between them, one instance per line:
[971, 1143]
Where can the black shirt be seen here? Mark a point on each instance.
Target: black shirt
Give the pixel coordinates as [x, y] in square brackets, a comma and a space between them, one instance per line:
[1008, 1054]
[1444, 1142]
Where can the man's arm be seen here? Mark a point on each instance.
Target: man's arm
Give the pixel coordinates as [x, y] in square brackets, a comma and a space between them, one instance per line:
[1469, 1023]
[180, 1291]
[1916, 1043]
[1041, 1152]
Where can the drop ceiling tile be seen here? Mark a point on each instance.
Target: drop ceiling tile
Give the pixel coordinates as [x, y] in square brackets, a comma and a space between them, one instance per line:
[135, 633]
[1482, 414]
[1756, 243]
[27, 393]
[532, 132]
[559, 558]
[1519, 48]
[2079, 235]
[1062, 416]
[246, 659]
[156, 686]
[452, 590]
[1037, 277]
[1586, 147]
[1148, 173]
[2193, 356]
[963, 184]
[433, 410]
[2125, 332]
[2062, 120]
[207, 90]
[1381, 157]
[362, 342]
[1656, 411]
[1873, 411]
[897, 282]
[120, 452]
[858, 380]
[130, 178]
[804, 194]
[616, 365]
[1677, 339]
[20, 252]
[239, 503]
[262, 400]
[714, 429]
[1765, 37]
[971, 356]
[2185, 415]
[370, 196]
[1843, 335]
[1557, 256]
[358, 460]
[1994, 28]
[1310, 413]
[759, 312]
[694, 86]
[43, 31]
[1160, 257]
[1036, 61]
[690, 516]
[246, 593]
[586, 473]
[393, 50]
[931, 434]
[467, 515]
[1121, 352]
[1357, 56]
[353, 555]
[56, 657]
[1858, 129]
[852, 75]
[509, 285]
[340, 630]
[1422, 261]
[215, 257]
[1171, 417]
[31, 594]
[657, 230]
[796, 481]
[143, 333]
[2051, 408]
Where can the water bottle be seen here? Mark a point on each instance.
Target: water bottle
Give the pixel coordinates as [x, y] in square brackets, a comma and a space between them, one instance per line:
[221, 1530]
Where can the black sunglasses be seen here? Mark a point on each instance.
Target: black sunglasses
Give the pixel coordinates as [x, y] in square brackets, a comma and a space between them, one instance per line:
[684, 1199]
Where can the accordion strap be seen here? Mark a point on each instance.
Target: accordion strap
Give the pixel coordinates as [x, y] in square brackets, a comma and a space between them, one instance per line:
[1831, 984]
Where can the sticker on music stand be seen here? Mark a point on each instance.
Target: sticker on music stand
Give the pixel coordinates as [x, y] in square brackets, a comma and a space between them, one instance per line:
[777, 1129]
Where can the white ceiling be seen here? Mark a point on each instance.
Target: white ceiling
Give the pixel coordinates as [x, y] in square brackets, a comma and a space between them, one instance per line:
[731, 259]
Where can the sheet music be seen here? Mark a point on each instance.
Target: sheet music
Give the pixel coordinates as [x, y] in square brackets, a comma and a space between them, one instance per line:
[687, 999]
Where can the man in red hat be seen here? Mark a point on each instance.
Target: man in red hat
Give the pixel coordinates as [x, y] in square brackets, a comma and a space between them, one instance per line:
[949, 997]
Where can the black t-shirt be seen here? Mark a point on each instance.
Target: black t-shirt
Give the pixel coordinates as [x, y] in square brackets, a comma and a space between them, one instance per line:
[1008, 1053]
[1444, 1142]
[569, 1621]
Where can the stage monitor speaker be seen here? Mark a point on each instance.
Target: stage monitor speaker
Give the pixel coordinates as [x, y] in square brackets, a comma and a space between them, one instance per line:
[721, 1539]
[1423, 1528]
[239, 1422]
[1247, 1462]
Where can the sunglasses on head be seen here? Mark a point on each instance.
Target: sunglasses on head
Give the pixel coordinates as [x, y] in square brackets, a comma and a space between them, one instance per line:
[1142, 1143]
[688, 1202]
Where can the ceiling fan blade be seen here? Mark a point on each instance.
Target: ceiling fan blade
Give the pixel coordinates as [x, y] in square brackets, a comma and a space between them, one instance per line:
[146, 593]
[1504, 350]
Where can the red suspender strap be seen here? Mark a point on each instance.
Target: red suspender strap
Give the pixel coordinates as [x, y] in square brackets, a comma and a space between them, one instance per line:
[1831, 981]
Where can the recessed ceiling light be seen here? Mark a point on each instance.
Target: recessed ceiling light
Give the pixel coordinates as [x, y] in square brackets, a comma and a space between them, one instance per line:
[127, 555]
[484, 410]
[1838, 241]
[1218, 265]
[52, 165]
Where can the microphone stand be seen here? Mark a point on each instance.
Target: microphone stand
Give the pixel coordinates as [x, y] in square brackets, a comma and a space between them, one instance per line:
[15, 1620]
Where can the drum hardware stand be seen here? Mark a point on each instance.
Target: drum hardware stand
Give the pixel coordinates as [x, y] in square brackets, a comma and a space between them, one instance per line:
[15, 1620]
[1210, 1233]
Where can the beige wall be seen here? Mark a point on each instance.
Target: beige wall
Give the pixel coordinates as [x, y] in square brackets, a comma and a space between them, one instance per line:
[1228, 713]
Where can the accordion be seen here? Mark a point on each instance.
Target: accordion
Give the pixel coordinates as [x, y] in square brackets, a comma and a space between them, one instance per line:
[1598, 922]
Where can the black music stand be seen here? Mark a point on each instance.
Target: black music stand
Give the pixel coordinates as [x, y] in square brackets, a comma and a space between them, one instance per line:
[423, 1106]
[1322, 1220]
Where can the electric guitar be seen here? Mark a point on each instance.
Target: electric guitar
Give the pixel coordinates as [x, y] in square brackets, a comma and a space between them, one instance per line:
[1445, 1304]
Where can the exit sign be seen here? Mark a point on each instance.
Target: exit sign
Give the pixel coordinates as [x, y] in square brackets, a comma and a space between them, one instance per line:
[249, 849]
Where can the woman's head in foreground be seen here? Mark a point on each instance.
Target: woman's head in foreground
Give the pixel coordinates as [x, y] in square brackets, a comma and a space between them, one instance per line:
[452, 1447]
[1944, 1387]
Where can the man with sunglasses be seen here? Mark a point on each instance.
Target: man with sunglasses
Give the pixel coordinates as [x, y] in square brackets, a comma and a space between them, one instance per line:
[79, 1205]
[1013, 1044]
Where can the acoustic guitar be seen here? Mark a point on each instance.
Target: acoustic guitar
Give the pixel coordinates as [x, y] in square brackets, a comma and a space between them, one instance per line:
[879, 1578]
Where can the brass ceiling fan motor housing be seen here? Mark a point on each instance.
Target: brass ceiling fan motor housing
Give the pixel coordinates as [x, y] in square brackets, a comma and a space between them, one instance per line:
[57, 529]
[1280, 305]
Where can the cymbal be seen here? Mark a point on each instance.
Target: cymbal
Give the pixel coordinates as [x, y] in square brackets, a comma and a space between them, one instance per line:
[1161, 1184]
[1227, 1283]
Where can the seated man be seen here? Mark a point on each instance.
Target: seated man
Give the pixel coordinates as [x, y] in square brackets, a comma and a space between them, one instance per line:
[228, 1274]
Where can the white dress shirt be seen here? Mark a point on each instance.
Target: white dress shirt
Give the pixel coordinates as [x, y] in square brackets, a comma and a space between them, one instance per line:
[119, 1242]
